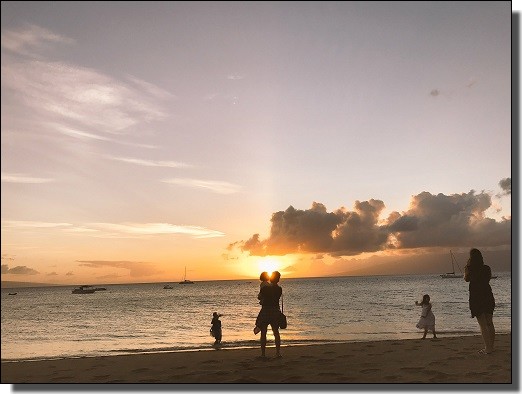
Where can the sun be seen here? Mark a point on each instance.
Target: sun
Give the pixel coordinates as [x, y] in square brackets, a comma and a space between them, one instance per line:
[268, 264]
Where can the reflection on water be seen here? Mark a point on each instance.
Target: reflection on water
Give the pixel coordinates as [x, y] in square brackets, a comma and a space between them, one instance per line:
[52, 322]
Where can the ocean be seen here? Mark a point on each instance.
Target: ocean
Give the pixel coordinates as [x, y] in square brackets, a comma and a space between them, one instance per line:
[51, 322]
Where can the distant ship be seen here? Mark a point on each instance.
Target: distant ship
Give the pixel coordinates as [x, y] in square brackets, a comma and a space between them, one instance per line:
[185, 281]
[85, 289]
[453, 274]
[168, 287]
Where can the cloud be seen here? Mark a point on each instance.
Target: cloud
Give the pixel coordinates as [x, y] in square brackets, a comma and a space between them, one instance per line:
[210, 96]
[52, 274]
[471, 82]
[18, 270]
[117, 230]
[135, 268]
[431, 221]
[152, 163]
[505, 184]
[157, 229]
[214, 186]
[358, 231]
[32, 224]
[31, 39]
[109, 276]
[79, 98]
[82, 135]
[6, 256]
[150, 88]
[317, 231]
[22, 178]
[454, 220]
[73, 100]
[434, 92]
[235, 77]
[88, 136]
[69, 273]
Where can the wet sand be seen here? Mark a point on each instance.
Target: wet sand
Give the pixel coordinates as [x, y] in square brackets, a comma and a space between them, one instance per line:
[446, 360]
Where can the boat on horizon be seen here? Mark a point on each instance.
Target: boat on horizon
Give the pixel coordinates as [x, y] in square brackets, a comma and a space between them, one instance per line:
[85, 289]
[167, 286]
[452, 274]
[185, 281]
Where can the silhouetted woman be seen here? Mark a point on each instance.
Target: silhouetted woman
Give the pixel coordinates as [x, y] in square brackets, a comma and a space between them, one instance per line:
[215, 330]
[270, 312]
[481, 300]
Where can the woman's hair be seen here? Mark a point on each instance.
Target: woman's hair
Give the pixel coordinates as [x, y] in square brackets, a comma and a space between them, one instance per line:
[274, 278]
[477, 269]
[425, 299]
[475, 258]
[264, 277]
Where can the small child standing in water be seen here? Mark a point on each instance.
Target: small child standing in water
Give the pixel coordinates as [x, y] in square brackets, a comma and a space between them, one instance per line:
[427, 320]
[265, 281]
[215, 330]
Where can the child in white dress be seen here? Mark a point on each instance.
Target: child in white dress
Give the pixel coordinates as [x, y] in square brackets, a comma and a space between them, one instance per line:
[427, 320]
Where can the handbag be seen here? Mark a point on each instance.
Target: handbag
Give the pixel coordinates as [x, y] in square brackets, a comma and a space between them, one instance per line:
[282, 317]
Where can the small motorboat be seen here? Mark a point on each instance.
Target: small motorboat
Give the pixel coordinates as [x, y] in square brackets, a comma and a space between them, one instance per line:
[13, 293]
[168, 287]
[100, 289]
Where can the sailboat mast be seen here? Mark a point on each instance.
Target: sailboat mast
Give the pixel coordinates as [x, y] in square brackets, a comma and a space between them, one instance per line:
[456, 263]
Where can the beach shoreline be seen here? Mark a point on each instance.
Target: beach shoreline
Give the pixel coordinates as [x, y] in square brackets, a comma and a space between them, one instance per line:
[446, 360]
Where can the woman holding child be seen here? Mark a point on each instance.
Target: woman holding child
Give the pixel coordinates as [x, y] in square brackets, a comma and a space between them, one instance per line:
[270, 313]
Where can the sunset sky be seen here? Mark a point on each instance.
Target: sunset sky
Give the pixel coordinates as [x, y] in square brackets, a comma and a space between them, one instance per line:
[138, 139]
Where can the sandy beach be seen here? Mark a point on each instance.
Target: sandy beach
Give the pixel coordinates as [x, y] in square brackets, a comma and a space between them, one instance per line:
[446, 360]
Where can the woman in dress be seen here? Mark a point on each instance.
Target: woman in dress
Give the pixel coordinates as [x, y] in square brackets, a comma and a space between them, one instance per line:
[270, 313]
[481, 300]
[215, 330]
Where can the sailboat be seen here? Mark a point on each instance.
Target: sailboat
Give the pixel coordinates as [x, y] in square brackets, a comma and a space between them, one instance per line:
[452, 274]
[185, 281]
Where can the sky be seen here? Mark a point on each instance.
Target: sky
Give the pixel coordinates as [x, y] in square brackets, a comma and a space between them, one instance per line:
[227, 138]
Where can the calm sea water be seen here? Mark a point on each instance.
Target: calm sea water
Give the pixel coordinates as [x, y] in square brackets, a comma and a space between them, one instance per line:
[51, 322]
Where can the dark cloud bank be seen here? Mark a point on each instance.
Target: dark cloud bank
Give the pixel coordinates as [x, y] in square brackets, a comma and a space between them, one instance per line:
[456, 220]
[18, 270]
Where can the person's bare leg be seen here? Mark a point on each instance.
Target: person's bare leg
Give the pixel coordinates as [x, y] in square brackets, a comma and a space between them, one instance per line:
[491, 331]
[277, 339]
[484, 329]
[263, 341]
[434, 333]
[425, 333]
